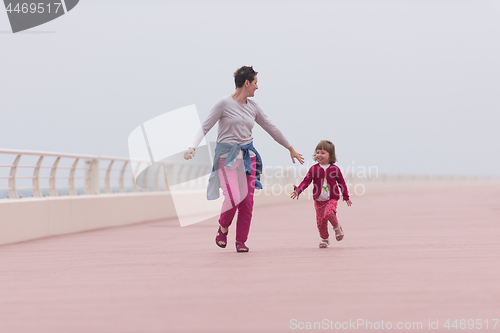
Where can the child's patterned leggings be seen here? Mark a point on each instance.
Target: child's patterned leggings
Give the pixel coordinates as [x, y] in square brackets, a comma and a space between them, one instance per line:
[326, 211]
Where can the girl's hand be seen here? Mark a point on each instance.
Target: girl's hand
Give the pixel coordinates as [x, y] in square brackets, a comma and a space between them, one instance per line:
[294, 154]
[294, 195]
[348, 202]
[189, 154]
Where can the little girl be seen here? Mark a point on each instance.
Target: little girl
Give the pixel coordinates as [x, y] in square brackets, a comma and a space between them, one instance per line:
[327, 179]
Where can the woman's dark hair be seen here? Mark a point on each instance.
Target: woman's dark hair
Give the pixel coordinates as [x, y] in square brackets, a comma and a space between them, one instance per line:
[329, 147]
[242, 74]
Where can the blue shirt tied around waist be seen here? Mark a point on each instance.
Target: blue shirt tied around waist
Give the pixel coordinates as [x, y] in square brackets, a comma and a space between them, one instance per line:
[232, 151]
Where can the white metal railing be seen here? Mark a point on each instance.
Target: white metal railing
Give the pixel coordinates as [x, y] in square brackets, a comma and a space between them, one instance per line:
[85, 175]
[90, 181]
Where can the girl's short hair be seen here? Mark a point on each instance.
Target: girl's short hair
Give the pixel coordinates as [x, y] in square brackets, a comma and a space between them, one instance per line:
[329, 147]
[242, 74]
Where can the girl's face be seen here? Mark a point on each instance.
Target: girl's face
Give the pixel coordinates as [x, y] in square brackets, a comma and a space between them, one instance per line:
[322, 156]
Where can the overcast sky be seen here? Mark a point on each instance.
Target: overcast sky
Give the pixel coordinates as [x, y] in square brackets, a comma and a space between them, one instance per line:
[407, 86]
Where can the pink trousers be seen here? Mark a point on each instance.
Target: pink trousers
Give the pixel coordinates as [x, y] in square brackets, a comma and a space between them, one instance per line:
[238, 189]
[326, 211]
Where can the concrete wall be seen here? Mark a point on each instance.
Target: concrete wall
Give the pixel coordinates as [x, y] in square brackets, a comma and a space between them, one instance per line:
[31, 218]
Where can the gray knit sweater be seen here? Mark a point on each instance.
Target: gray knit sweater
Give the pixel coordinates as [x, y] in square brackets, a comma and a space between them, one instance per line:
[236, 122]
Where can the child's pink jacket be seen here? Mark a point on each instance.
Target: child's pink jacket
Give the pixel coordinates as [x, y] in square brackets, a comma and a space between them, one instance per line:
[316, 174]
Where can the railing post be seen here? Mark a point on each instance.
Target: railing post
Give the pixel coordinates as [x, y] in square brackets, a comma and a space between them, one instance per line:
[134, 184]
[178, 178]
[145, 179]
[12, 179]
[188, 181]
[36, 178]
[201, 178]
[122, 177]
[165, 170]
[71, 179]
[52, 179]
[157, 177]
[107, 181]
[92, 176]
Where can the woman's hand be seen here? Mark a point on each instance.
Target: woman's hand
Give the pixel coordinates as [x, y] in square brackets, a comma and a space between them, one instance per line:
[294, 154]
[348, 202]
[294, 195]
[189, 154]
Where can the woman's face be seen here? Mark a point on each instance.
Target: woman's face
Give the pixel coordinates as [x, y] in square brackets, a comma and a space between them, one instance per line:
[252, 87]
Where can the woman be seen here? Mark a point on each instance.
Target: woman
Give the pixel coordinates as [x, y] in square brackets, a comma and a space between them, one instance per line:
[237, 164]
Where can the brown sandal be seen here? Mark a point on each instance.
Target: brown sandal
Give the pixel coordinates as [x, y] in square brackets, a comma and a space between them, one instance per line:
[241, 247]
[221, 238]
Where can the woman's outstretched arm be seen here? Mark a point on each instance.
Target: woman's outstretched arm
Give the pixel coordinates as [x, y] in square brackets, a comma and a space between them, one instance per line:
[212, 118]
[263, 120]
[294, 154]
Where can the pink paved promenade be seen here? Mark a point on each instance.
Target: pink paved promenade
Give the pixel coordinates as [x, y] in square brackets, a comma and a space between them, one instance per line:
[409, 256]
